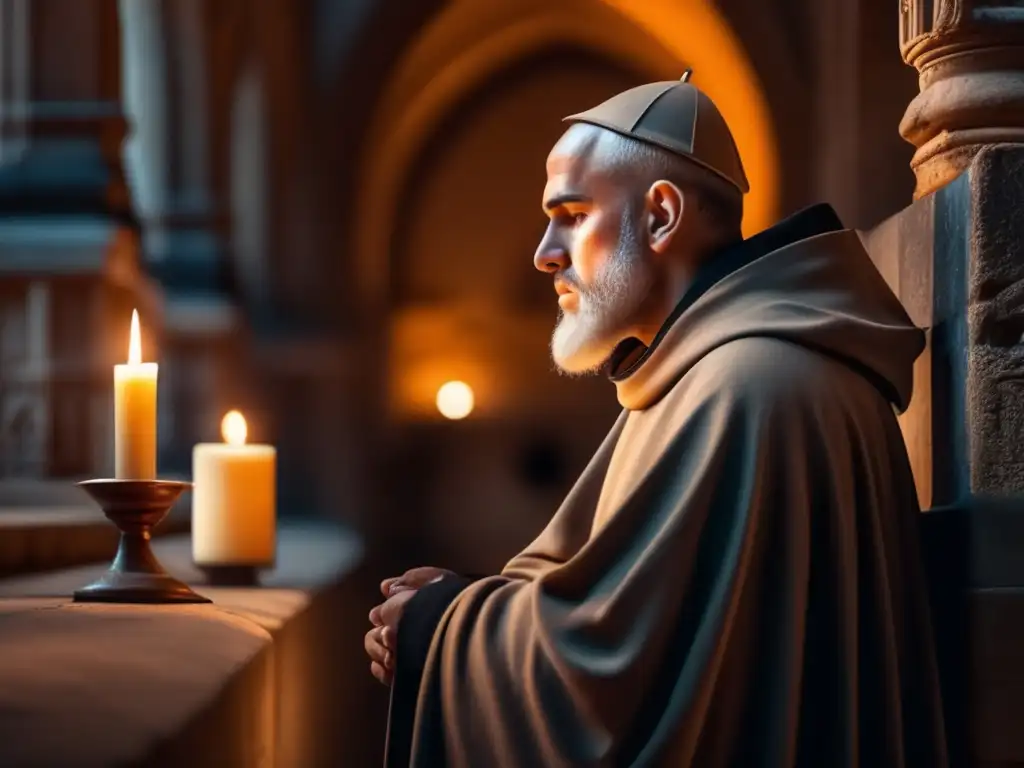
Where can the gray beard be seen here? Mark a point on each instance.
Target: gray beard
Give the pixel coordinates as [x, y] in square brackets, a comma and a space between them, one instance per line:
[585, 339]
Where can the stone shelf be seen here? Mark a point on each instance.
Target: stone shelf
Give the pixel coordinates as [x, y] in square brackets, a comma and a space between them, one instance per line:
[250, 680]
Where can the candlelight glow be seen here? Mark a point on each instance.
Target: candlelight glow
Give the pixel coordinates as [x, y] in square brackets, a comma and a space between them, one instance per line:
[135, 341]
[455, 400]
[233, 428]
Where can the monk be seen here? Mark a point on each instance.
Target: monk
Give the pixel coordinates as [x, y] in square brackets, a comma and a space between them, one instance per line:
[735, 579]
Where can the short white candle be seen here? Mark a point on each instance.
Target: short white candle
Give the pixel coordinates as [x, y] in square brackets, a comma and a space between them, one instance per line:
[233, 499]
[135, 412]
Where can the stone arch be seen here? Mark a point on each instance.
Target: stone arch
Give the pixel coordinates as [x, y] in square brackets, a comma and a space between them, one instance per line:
[470, 42]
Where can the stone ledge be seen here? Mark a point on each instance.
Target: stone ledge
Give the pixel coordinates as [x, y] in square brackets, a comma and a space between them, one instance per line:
[232, 683]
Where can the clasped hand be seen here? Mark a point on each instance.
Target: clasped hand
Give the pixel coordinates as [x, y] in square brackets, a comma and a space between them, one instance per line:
[382, 640]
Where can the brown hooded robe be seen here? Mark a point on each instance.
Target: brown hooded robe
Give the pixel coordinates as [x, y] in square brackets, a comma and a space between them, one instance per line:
[734, 580]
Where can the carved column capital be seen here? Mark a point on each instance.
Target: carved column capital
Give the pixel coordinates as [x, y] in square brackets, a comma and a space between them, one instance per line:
[970, 57]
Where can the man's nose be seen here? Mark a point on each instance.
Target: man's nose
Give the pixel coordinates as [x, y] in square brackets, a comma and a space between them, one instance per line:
[551, 258]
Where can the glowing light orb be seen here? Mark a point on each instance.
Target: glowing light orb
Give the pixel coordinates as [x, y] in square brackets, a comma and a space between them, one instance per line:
[455, 400]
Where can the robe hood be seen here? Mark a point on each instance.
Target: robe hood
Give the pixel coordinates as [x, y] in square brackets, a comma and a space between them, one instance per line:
[807, 281]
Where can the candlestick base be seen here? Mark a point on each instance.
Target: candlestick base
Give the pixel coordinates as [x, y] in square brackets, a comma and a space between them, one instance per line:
[135, 575]
[231, 575]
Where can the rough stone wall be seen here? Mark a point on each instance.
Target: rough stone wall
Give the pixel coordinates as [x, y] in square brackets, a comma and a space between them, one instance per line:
[995, 322]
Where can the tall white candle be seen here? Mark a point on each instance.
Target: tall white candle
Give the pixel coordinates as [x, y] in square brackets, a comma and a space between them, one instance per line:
[135, 412]
[234, 499]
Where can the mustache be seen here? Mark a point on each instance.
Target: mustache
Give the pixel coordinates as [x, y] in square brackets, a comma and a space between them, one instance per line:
[570, 279]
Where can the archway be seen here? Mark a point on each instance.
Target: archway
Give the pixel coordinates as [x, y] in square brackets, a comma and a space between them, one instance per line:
[468, 306]
[440, 129]
[469, 42]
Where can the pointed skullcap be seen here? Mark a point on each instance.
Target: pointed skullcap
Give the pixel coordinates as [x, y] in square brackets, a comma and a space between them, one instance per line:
[676, 116]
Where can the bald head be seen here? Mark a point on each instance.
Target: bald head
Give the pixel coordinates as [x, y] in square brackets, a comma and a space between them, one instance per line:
[628, 225]
[588, 152]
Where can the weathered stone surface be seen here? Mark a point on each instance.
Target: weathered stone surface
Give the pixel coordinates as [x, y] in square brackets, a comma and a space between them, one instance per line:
[955, 259]
[102, 685]
[267, 676]
[995, 317]
[969, 56]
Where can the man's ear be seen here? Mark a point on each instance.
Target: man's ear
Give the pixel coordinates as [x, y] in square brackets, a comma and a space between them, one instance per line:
[665, 203]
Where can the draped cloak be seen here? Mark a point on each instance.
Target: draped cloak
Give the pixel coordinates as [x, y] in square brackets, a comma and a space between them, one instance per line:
[734, 580]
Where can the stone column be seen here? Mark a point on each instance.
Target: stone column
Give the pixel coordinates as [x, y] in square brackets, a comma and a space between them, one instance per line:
[964, 242]
[69, 273]
[970, 58]
[956, 259]
[166, 75]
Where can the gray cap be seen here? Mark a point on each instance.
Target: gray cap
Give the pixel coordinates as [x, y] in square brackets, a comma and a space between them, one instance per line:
[675, 116]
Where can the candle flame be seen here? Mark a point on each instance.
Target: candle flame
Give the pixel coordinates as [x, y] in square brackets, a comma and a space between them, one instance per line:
[233, 428]
[135, 341]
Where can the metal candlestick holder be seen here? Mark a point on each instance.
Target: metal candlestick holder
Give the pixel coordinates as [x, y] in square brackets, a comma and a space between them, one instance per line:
[135, 575]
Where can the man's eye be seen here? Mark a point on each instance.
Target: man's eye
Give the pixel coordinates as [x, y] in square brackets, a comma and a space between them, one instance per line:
[579, 218]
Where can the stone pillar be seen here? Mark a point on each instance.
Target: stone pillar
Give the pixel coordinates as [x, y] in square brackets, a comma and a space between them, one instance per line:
[970, 58]
[956, 259]
[69, 274]
[166, 75]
